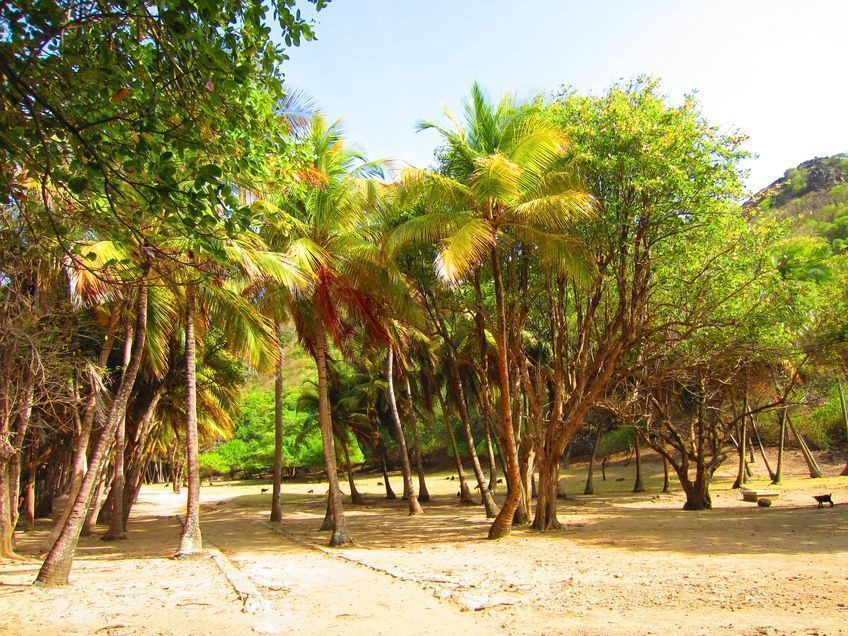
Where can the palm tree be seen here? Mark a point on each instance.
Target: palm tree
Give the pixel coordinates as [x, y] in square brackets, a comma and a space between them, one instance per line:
[330, 240]
[503, 182]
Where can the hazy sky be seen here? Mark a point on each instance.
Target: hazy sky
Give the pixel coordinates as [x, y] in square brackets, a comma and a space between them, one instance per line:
[776, 70]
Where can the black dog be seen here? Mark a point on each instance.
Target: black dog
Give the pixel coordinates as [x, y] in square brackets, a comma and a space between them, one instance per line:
[823, 499]
[264, 490]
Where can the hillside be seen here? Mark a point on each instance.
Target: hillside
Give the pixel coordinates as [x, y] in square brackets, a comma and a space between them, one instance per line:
[814, 195]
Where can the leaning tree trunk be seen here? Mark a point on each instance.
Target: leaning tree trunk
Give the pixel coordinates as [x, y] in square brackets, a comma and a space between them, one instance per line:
[812, 465]
[409, 489]
[390, 494]
[276, 508]
[464, 491]
[638, 486]
[490, 452]
[423, 494]
[57, 565]
[462, 409]
[116, 513]
[78, 465]
[340, 533]
[502, 525]
[191, 540]
[762, 448]
[355, 495]
[90, 522]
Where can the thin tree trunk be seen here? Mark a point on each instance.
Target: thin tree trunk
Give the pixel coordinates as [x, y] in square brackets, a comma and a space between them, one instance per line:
[778, 471]
[638, 486]
[276, 507]
[390, 494]
[464, 490]
[191, 539]
[57, 566]
[340, 533]
[490, 451]
[462, 409]
[409, 488]
[666, 484]
[502, 524]
[29, 498]
[762, 448]
[423, 494]
[355, 495]
[590, 482]
[116, 519]
[95, 506]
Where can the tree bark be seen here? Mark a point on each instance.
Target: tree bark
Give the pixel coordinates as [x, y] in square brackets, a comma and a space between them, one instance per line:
[812, 465]
[116, 513]
[590, 482]
[191, 539]
[340, 533]
[276, 507]
[502, 525]
[57, 566]
[546, 494]
[408, 487]
[778, 471]
[355, 495]
[423, 494]
[666, 484]
[390, 494]
[762, 448]
[490, 452]
[638, 486]
[464, 490]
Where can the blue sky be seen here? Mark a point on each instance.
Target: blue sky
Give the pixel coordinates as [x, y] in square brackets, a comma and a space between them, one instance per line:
[775, 70]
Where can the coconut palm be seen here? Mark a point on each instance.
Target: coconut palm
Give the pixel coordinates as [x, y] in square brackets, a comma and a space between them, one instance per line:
[325, 215]
[503, 183]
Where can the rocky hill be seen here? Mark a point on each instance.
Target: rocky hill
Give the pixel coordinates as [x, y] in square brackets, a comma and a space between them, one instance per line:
[814, 195]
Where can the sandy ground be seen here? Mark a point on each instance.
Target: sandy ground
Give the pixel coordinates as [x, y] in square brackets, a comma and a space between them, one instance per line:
[624, 564]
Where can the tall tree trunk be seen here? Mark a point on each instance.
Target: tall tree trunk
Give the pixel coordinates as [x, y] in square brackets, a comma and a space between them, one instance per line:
[191, 540]
[408, 487]
[390, 494]
[638, 486]
[464, 490]
[143, 446]
[116, 513]
[666, 484]
[340, 533]
[590, 482]
[276, 507]
[812, 465]
[423, 494]
[57, 565]
[7, 530]
[781, 443]
[502, 525]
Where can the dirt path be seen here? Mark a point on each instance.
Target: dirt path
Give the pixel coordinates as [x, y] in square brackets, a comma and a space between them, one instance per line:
[624, 564]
